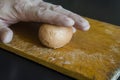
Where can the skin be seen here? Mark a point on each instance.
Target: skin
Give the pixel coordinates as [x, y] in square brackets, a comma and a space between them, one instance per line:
[13, 11]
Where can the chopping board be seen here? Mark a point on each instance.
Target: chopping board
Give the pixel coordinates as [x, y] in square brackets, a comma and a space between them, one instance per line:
[91, 55]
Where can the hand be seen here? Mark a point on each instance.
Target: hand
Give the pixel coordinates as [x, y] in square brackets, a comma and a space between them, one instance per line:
[13, 11]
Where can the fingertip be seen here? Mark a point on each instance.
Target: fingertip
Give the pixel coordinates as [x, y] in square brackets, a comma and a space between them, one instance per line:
[6, 35]
[85, 26]
[74, 29]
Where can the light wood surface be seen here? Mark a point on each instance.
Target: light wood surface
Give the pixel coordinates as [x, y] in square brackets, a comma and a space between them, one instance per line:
[92, 55]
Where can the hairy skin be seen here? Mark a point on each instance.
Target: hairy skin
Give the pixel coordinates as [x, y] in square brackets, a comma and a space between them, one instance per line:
[13, 11]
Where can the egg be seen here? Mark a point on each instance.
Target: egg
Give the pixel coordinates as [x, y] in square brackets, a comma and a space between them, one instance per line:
[55, 36]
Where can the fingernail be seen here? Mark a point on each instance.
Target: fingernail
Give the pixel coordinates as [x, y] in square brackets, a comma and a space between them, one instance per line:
[74, 29]
[69, 22]
[6, 35]
[85, 26]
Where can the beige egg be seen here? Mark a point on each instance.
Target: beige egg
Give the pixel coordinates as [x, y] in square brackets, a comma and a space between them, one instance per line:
[55, 36]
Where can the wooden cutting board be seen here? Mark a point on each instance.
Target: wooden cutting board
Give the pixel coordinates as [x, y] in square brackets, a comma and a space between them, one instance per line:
[92, 55]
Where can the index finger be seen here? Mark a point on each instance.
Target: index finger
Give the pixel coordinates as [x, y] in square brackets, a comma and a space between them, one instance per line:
[80, 22]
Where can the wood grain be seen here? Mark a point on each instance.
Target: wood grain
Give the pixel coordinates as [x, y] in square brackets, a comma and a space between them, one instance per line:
[92, 55]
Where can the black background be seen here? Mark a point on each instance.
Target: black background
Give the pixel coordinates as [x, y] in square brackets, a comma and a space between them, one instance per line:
[13, 67]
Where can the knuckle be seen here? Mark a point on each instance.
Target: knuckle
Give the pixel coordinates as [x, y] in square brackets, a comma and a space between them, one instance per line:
[56, 7]
[18, 6]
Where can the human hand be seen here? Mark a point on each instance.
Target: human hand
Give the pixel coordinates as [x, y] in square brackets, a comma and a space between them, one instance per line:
[13, 11]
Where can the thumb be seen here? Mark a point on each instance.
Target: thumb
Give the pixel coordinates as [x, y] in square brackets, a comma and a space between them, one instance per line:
[6, 34]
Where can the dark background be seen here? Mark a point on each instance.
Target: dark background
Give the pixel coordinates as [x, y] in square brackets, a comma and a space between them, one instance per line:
[13, 67]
